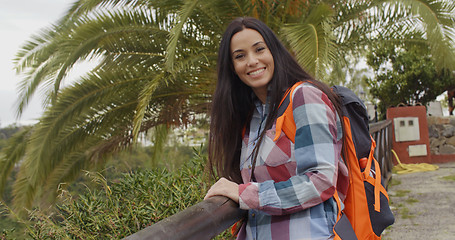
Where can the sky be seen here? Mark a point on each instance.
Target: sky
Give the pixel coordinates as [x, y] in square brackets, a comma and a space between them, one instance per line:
[19, 19]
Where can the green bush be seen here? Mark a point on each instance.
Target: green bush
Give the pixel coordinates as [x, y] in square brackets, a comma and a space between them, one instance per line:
[125, 206]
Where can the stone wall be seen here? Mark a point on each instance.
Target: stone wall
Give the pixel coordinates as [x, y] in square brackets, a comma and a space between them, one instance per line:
[442, 135]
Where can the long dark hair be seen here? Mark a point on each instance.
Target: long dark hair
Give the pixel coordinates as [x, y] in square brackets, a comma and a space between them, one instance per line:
[232, 104]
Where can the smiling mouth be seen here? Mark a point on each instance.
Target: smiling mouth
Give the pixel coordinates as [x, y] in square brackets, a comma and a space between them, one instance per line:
[257, 72]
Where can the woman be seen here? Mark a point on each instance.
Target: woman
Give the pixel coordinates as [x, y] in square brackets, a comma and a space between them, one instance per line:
[287, 188]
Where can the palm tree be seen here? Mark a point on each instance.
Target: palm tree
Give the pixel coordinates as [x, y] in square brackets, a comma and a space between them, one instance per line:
[156, 69]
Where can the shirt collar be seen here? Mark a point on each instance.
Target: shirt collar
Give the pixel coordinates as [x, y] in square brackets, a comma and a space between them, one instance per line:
[262, 109]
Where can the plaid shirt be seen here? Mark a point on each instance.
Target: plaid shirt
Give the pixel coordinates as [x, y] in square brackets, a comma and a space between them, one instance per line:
[293, 195]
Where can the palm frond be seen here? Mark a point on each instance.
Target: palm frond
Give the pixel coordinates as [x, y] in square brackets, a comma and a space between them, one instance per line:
[311, 40]
[434, 18]
[176, 32]
[160, 136]
[87, 37]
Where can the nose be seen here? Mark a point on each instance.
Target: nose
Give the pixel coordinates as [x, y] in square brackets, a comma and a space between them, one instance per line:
[252, 60]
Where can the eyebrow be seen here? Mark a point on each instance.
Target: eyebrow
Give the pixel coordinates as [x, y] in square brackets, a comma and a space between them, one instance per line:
[254, 45]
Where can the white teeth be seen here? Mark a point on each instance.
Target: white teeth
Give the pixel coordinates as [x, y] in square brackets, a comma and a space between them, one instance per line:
[257, 72]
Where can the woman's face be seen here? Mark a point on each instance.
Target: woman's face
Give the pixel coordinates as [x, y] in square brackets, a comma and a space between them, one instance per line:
[252, 60]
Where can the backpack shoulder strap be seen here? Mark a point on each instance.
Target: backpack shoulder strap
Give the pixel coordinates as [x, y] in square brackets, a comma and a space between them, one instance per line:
[285, 119]
[284, 102]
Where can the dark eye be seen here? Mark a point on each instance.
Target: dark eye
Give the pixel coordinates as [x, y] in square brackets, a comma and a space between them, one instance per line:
[239, 56]
[260, 49]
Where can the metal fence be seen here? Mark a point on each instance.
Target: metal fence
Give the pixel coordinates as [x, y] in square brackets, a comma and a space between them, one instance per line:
[209, 218]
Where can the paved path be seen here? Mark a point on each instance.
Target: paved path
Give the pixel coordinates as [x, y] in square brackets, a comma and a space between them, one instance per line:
[423, 204]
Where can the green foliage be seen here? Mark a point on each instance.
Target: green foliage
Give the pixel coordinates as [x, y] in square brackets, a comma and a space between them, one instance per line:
[411, 200]
[449, 178]
[90, 190]
[172, 157]
[155, 69]
[402, 193]
[11, 225]
[8, 131]
[405, 74]
[11, 154]
[9, 228]
[123, 207]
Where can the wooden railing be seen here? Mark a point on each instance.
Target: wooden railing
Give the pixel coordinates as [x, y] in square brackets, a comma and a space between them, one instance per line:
[204, 220]
[209, 218]
[382, 134]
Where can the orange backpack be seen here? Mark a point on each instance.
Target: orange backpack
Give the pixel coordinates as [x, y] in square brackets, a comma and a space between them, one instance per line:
[366, 210]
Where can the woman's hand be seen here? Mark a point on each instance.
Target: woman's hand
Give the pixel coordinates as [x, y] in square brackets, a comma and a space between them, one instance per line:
[224, 187]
